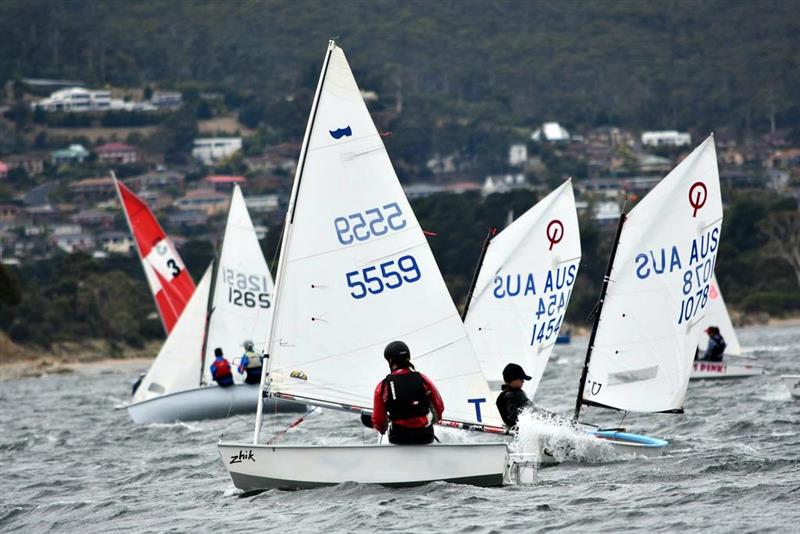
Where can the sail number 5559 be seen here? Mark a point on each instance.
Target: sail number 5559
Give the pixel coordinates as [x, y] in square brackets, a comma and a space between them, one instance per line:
[388, 275]
[373, 222]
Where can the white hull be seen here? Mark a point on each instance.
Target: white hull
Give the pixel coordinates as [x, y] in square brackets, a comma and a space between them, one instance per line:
[262, 467]
[210, 402]
[792, 384]
[725, 369]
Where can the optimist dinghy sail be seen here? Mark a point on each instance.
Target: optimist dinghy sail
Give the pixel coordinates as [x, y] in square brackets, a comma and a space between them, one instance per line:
[523, 288]
[232, 304]
[356, 273]
[169, 281]
[656, 292]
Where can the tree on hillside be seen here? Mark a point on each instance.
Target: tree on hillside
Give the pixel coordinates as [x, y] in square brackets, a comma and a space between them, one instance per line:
[783, 230]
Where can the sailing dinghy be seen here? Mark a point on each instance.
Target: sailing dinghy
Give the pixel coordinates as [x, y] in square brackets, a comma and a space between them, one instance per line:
[734, 365]
[356, 273]
[521, 289]
[654, 298]
[232, 304]
[169, 281]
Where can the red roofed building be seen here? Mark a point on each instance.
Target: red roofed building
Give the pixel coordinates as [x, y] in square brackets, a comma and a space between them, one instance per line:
[3, 170]
[117, 153]
[223, 182]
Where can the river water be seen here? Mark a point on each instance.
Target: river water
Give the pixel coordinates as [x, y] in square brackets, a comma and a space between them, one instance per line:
[70, 462]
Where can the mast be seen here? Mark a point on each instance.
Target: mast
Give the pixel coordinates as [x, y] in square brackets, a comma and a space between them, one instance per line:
[209, 311]
[489, 236]
[136, 244]
[597, 312]
[287, 233]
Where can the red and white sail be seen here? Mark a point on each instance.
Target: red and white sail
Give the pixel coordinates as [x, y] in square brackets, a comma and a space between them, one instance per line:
[169, 281]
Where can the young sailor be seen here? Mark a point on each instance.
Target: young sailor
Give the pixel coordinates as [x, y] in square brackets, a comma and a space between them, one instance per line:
[512, 398]
[221, 369]
[716, 345]
[407, 399]
[251, 364]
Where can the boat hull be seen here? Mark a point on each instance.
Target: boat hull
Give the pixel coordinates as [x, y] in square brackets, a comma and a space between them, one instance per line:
[724, 369]
[210, 402]
[792, 384]
[263, 467]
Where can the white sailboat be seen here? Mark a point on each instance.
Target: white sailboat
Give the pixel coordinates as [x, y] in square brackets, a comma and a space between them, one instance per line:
[655, 296]
[356, 273]
[522, 288]
[734, 365]
[232, 304]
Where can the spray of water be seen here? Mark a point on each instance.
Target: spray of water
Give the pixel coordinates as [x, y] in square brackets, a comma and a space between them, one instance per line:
[553, 439]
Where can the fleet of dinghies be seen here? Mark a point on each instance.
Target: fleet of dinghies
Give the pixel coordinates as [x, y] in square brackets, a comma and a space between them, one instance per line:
[734, 364]
[356, 272]
[231, 305]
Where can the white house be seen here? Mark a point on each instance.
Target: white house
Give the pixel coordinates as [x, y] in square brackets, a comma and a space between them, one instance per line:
[262, 203]
[211, 149]
[552, 132]
[666, 138]
[75, 99]
[503, 183]
[517, 154]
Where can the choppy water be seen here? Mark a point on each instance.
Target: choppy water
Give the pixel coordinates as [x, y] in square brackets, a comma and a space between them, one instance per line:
[70, 462]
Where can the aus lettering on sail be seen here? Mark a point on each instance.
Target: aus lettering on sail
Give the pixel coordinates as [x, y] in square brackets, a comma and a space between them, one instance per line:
[552, 291]
[695, 264]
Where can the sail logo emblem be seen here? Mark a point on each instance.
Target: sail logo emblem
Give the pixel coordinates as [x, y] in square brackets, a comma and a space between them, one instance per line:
[555, 232]
[698, 194]
[341, 132]
[712, 292]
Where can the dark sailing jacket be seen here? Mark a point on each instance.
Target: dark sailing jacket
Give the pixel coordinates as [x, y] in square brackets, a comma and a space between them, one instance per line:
[510, 402]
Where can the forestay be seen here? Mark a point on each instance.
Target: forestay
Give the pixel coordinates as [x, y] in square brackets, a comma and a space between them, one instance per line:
[177, 366]
[169, 281]
[241, 307]
[717, 315]
[658, 292]
[356, 271]
[524, 286]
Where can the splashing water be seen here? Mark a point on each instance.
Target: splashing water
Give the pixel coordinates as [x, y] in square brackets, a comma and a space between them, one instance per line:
[550, 438]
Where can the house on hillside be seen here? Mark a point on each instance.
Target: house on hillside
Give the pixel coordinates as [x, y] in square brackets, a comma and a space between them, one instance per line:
[72, 154]
[282, 157]
[551, 132]
[75, 99]
[517, 154]
[504, 183]
[32, 162]
[666, 138]
[262, 203]
[3, 171]
[117, 153]
[10, 213]
[115, 242]
[94, 217]
[188, 218]
[93, 188]
[213, 149]
[209, 201]
[156, 180]
[166, 99]
[224, 183]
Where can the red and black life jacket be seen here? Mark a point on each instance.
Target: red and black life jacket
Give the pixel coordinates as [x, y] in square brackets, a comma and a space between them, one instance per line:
[222, 368]
[406, 396]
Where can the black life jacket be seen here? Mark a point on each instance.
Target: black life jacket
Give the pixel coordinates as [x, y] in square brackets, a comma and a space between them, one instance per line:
[406, 396]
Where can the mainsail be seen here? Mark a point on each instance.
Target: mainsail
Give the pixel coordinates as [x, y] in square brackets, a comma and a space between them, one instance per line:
[523, 288]
[169, 281]
[641, 352]
[356, 271]
[241, 304]
[177, 366]
[717, 315]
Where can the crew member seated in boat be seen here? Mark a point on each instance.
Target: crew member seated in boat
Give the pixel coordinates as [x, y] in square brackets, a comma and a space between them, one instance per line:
[250, 364]
[512, 398]
[221, 369]
[716, 345]
[406, 400]
[135, 386]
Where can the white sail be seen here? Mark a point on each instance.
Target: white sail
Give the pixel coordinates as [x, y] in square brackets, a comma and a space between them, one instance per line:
[356, 271]
[657, 296]
[178, 364]
[717, 315]
[524, 286]
[241, 308]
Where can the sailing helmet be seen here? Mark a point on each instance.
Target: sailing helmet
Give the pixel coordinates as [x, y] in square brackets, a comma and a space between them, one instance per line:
[248, 345]
[397, 352]
[218, 352]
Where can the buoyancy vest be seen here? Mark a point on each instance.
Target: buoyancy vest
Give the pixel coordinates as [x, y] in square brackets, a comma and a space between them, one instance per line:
[406, 396]
[222, 368]
[254, 361]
